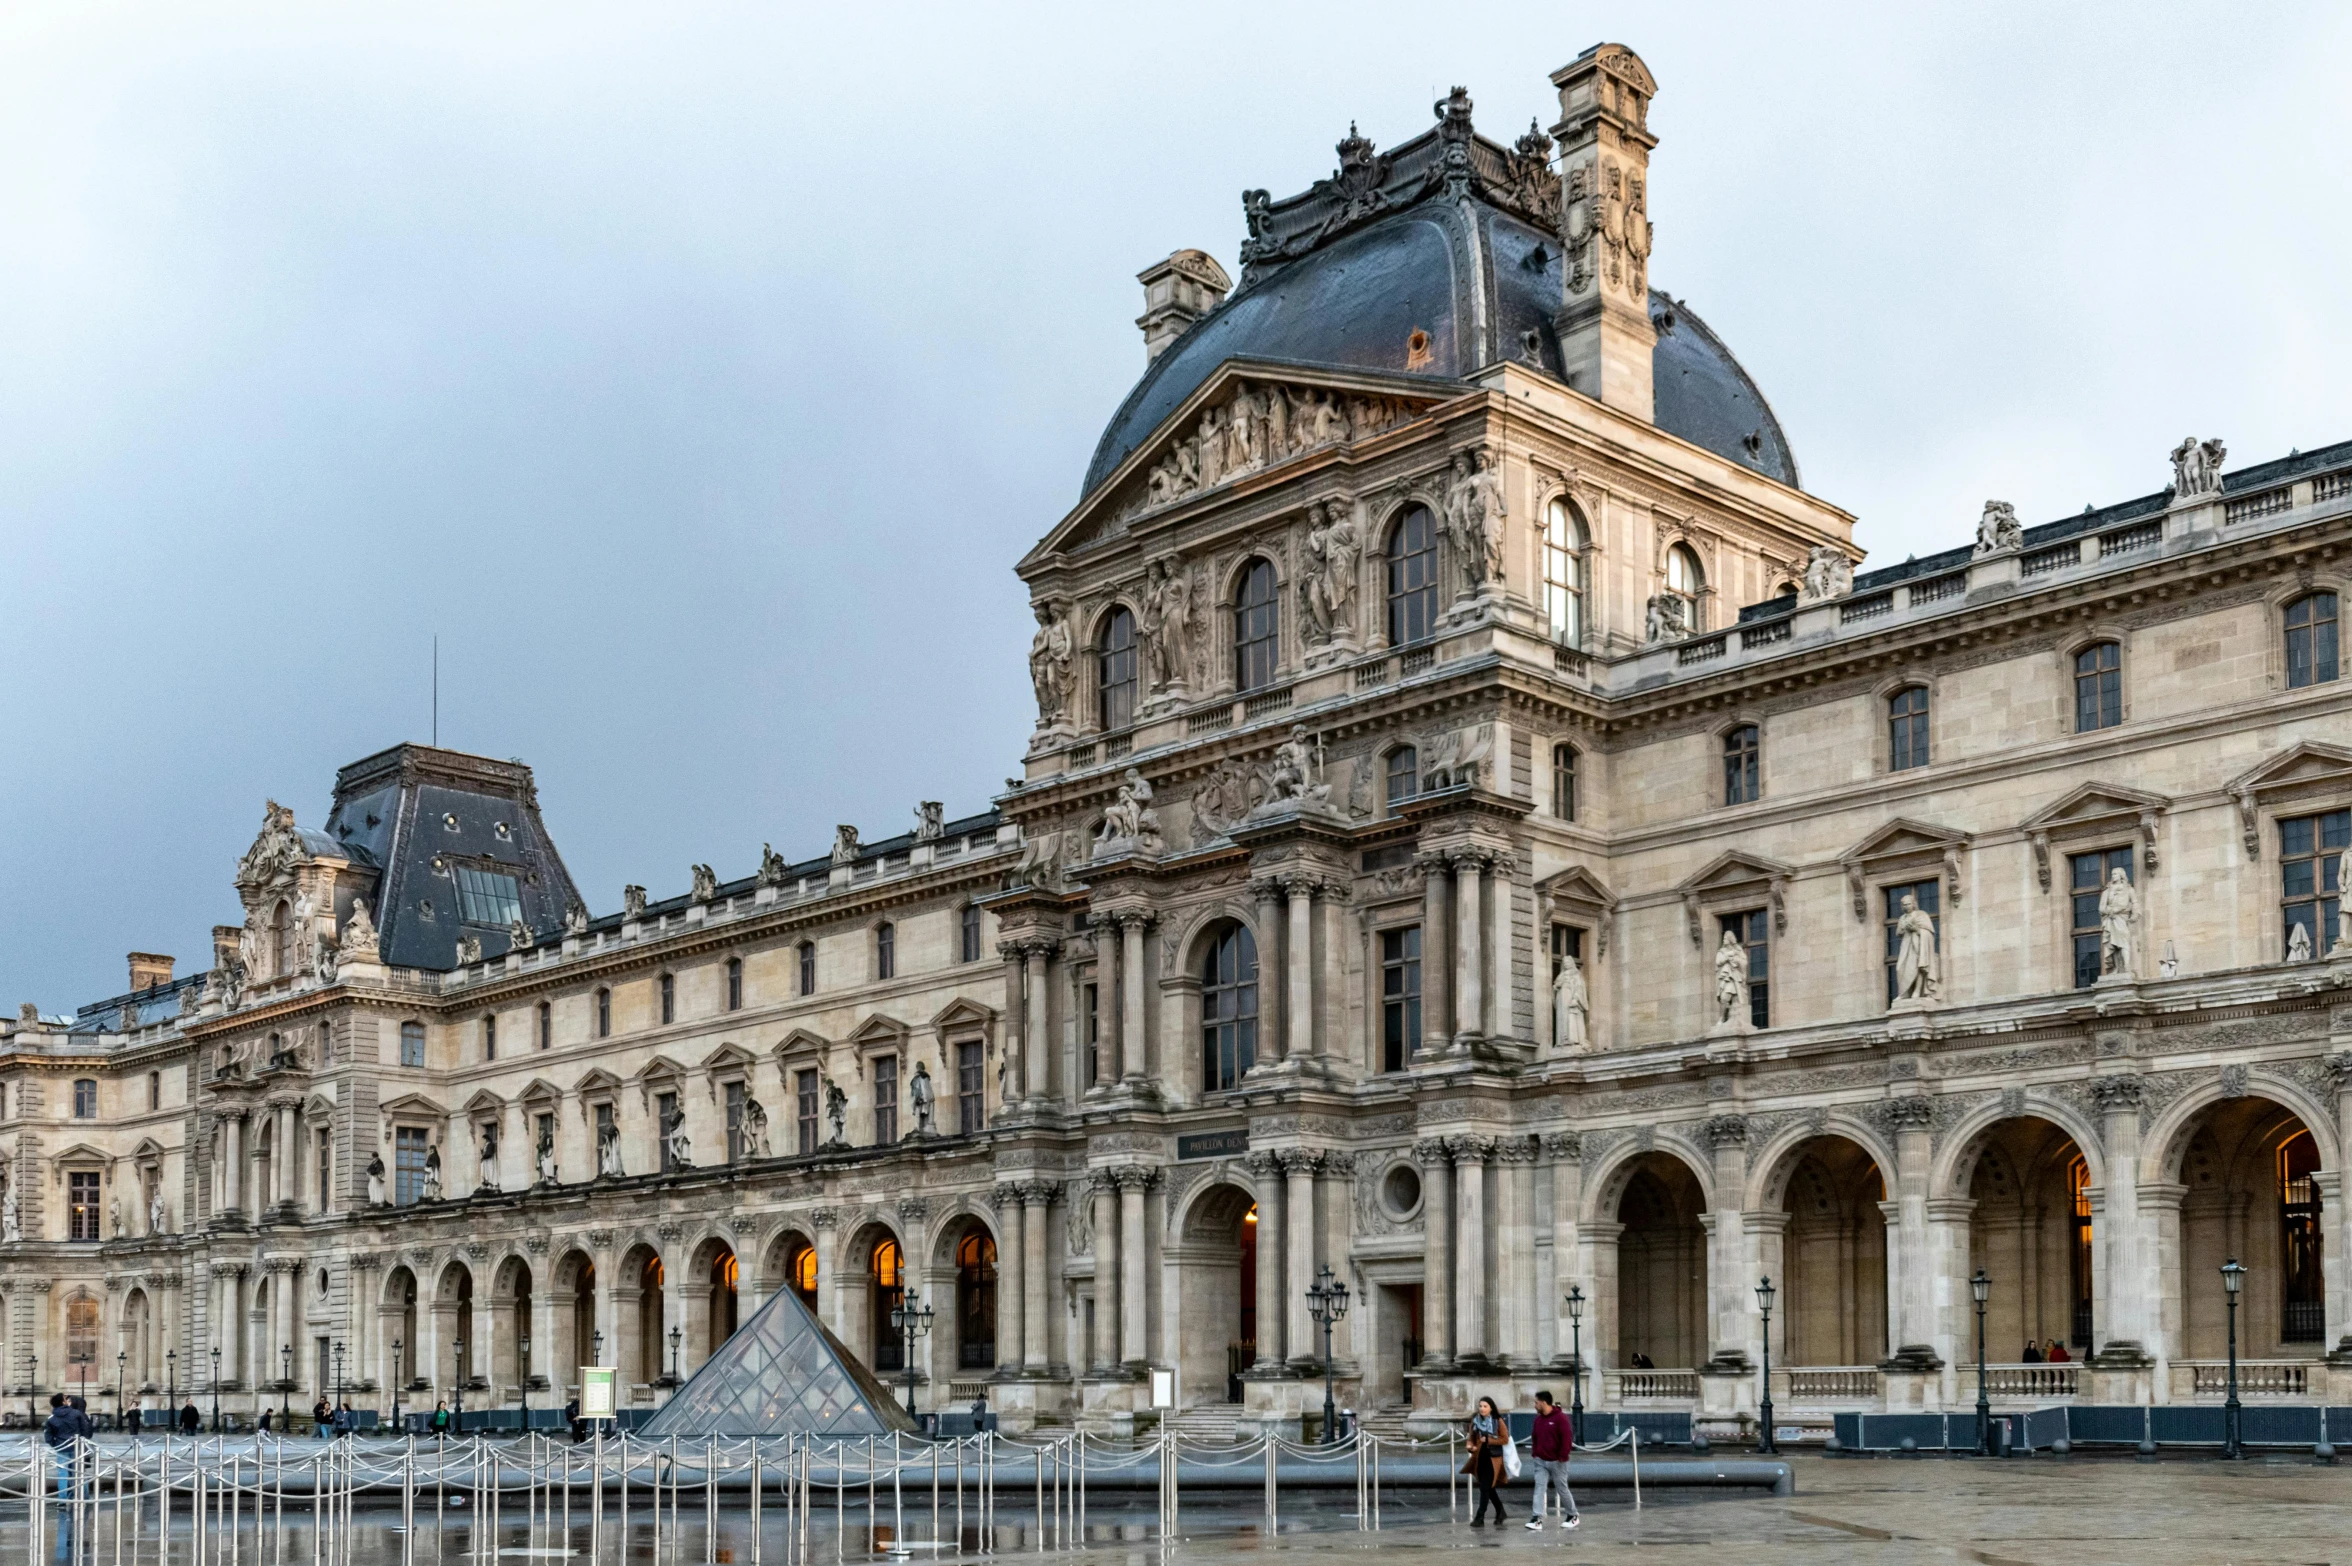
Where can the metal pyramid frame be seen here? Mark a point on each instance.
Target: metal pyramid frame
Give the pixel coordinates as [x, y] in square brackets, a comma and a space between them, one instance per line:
[782, 1373]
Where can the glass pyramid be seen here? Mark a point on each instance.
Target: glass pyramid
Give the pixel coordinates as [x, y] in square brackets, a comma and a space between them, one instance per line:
[781, 1373]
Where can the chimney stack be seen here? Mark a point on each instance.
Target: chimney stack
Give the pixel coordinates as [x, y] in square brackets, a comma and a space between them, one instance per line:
[1176, 293]
[1604, 321]
[148, 969]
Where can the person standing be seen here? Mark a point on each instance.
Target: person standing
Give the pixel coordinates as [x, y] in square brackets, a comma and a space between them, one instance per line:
[1487, 1436]
[1552, 1440]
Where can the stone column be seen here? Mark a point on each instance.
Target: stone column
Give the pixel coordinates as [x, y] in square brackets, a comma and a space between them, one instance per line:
[1036, 1016]
[1437, 1016]
[1273, 1037]
[826, 1222]
[1298, 1245]
[1335, 1175]
[1011, 1284]
[1910, 1251]
[1437, 1247]
[2335, 1269]
[1565, 1151]
[289, 1161]
[1502, 948]
[285, 1289]
[1036, 1200]
[1470, 1155]
[1103, 1190]
[1110, 1011]
[233, 1140]
[1604, 1343]
[2121, 1254]
[1954, 1303]
[1016, 1017]
[1299, 949]
[1134, 1270]
[1469, 962]
[1266, 1174]
[1134, 1053]
[1515, 1239]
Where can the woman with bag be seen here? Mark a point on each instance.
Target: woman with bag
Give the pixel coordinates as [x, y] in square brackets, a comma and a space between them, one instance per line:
[1491, 1455]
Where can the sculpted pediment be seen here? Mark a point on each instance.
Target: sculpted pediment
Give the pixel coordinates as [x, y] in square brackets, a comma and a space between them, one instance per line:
[800, 1041]
[727, 1055]
[598, 1080]
[413, 1106]
[878, 1030]
[2095, 810]
[1578, 893]
[1733, 877]
[1904, 844]
[484, 1102]
[962, 1014]
[539, 1091]
[2309, 770]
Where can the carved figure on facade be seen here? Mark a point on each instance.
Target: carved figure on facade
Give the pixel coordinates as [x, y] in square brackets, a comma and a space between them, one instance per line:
[544, 1155]
[359, 938]
[681, 1146]
[489, 1158]
[1330, 558]
[1049, 663]
[705, 883]
[771, 869]
[1129, 821]
[2196, 468]
[1916, 977]
[608, 1149]
[1828, 574]
[1998, 532]
[1165, 627]
[1731, 982]
[632, 902]
[1223, 799]
[845, 845]
[2119, 923]
[2298, 944]
[432, 1186]
[469, 949]
[930, 820]
[1457, 758]
[923, 1099]
[837, 1112]
[1666, 619]
[375, 1180]
[519, 937]
[755, 1128]
[11, 1217]
[1571, 1005]
[1293, 776]
[1261, 424]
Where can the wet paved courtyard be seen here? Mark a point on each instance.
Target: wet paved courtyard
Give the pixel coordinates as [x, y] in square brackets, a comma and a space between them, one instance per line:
[2074, 1511]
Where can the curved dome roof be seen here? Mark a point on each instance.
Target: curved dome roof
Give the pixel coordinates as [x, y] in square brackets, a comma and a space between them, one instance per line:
[1438, 288]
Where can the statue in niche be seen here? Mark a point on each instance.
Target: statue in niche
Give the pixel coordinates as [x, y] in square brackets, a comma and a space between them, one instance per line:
[681, 1146]
[930, 821]
[1731, 982]
[1327, 576]
[608, 1149]
[1049, 663]
[359, 933]
[325, 961]
[1488, 514]
[114, 1216]
[251, 953]
[1828, 574]
[1462, 528]
[545, 1153]
[837, 1112]
[11, 1217]
[1130, 818]
[375, 1180]
[158, 1212]
[1998, 531]
[1165, 624]
[1915, 953]
[705, 883]
[2196, 467]
[922, 1098]
[432, 1191]
[2298, 943]
[2119, 922]
[489, 1159]
[755, 1128]
[1571, 1005]
[300, 928]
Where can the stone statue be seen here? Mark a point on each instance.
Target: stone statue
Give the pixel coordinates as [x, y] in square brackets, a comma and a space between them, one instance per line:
[1130, 818]
[519, 937]
[930, 821]
[325, 958]
[632, 902]
[1571, 1005]
[158, 1212]
[11, 1217]
[359, 933]
[922, 1098]
[1667, 619]
[114, 1216]
[837, 1111]
[1998, 531]
[299, 926]
[2298, 941]
[1731, 982]
[469, 949]
[2196, 467]
[1915, 953]
[608, 1150]
[755, 1128]
[1049, 663]
[576, 919]
[771, 870]
[250, 952]
[1327, 576]
[1464, 523]
[1294, 772]
[681, 1146]
[489, 1159]
[1165, 625]
[432, 1192]
[546, 1155]
[2119, 920]
[1458, 758]
[1488, 514]
[1828, 574]
[845, 845]
[375, 1180]
[706, 883]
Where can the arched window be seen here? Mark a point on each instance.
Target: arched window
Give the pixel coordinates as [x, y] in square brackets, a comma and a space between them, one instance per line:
[1564, 782]
[1743, 770]
[1115, 671]
[1412, 578]
[2311, 640]
[1404, 774]
[2098, 687]
[669, 998]
[734, 984]
[282, 941]
[1563, 562]
[1257, 623]
[803, 1271]
[807, 964]
[1907, 729]
[546, 1026]
[85, 1098]
[885, 950]
[1229, 1009]
[1686, 580]
[976, 1301]
[603, 1021]
[888, 1288]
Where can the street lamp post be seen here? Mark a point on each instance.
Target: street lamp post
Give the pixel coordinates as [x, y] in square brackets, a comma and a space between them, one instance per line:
[398, 1365]
[910, 1318]
[1575, 1303]
[523, 1342]
[677, 1335]
[2233, 1278]
[122, 1418]
[285, 1385]
[336, 1413]
[171, 1387]
[595, 1357]
[1327, 1302]
[216, 1424]
[457, 1363]
[1982, 1287]
[1764, 1292]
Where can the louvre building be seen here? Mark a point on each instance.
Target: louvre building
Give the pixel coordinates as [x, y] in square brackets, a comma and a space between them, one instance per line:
[1486, 833]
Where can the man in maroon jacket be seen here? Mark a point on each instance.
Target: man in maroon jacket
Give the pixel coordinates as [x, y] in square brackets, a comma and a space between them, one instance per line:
[1553, 1439]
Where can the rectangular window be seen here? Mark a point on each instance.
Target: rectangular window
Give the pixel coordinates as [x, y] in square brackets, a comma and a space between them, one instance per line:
[154, 1090]
[735, 1122]
[2087, 876]
[665, 1118]
[971, 1088]
[85, 1098]
[412, 1044]
[2311, 640]
[1743, 765]
[2098, 687]
[1907, 729]
[1564, 782]
[546, 1026]
[885, 951]
[1403, 768]
[486, 897]
[808, 967]
[669, 998]
[607, 1127]
[1400, 997]
[734, 984]
[2310, 859]
[81, 1194]
[409, 1147]
[971, 932]
[324, 1162]
[1090, 1029]
[806, 1108]
[1753, 930]
[604, 1014]
[1929, 896]
[885, 1100]
[490, 1037]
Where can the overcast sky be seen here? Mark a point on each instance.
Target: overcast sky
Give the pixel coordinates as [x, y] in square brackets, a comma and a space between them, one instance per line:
[697, 372]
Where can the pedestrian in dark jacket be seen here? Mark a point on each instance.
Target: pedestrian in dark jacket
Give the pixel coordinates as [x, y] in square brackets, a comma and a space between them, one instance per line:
[66, 1424]
[1553, 1440]
[191, 1418]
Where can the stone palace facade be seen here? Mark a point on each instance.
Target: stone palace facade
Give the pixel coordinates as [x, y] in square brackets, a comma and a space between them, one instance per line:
[1482, 836]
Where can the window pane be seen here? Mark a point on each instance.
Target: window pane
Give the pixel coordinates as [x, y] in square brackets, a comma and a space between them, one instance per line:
[1404, 774]
[485, 897]
[1412, 578]
[1256, 625]
[1116, 672]
[1564, 782]
[1229, 1009]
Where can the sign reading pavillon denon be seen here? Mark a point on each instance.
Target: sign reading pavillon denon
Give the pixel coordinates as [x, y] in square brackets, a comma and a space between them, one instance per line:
[1212, 1144]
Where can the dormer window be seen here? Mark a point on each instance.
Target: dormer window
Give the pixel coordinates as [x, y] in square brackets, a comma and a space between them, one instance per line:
[488, 898]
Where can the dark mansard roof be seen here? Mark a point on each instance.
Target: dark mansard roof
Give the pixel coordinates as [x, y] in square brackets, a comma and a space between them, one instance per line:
[1390, 246]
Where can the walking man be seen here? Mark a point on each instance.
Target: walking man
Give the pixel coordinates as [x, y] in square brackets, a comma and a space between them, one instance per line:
[1552, 1442]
